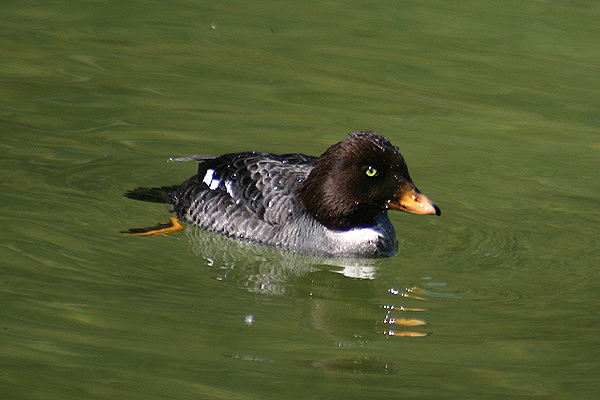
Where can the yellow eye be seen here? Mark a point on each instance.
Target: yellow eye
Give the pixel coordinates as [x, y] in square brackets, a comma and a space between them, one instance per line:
[371, 171]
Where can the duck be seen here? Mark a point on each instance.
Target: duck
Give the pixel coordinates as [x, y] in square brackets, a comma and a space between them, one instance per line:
[332, 205]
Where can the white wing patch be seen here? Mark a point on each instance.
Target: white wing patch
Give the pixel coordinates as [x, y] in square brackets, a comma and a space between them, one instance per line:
[211, 180]
[229, 188]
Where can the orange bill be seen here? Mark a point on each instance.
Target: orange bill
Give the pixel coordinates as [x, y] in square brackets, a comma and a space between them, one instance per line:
[409, 199]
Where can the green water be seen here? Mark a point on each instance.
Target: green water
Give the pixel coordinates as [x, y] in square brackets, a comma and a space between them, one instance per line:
[495, 106]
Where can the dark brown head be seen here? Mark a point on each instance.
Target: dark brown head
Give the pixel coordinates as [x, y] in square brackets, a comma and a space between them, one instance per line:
[354, 180]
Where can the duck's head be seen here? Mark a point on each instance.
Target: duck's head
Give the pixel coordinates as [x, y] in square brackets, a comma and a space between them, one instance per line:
[355, 180]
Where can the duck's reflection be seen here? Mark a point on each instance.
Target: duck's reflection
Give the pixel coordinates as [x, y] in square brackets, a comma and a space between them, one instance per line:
[340, 293]
[339, 298]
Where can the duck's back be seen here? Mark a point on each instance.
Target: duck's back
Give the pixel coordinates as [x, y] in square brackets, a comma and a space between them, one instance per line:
[247, 195]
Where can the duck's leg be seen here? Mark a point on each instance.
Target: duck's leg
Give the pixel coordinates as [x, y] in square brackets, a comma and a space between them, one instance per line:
[162, 228]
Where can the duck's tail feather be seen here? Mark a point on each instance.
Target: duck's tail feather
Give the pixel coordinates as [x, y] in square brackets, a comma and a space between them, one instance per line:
[196, 157]
[154, 195]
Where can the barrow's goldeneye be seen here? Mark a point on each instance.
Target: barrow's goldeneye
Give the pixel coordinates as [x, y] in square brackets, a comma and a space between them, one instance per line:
[333, 205]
